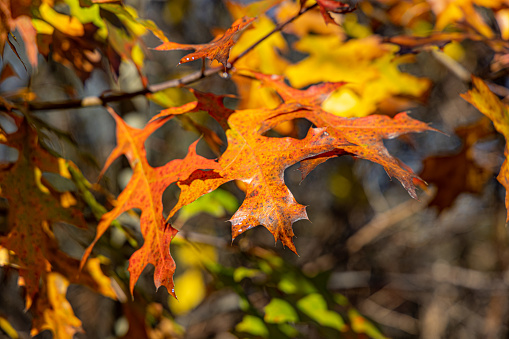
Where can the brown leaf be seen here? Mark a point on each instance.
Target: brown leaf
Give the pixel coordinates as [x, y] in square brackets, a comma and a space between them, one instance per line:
[7, 72]
[30, 236]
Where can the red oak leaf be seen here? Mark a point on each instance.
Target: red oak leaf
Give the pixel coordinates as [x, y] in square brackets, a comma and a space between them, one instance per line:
[218, 49]
[259, 162]
[365, 133]
[144, 191]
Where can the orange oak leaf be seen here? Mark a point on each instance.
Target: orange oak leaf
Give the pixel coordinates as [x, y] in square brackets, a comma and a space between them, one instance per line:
[207, 102]
[366, 133]
[259, 162]
[488, 104]
[144, 191]
[218, 49]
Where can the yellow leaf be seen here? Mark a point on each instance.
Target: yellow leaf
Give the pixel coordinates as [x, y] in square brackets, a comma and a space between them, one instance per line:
[488, 104]
[42, 27]
[456, 11]
[191, 291]
[58, 315]
[104, 283]
[4, 256]
[64, 23]
[38, 176]
[264, 58]
[7, 328]
[502, 17]
[368, 66]
[194, 255]
[455, 50]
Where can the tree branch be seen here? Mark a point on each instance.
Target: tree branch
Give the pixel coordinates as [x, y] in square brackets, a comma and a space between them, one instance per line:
[151, 89]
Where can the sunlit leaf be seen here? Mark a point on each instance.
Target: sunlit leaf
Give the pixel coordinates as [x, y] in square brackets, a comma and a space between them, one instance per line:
[315, 306]
[279, 311]
[191, 289]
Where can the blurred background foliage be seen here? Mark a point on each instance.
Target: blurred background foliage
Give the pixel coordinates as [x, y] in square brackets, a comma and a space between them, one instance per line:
[373, 263]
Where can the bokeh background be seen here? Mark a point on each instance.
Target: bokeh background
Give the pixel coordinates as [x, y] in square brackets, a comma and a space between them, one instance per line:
[381, 263]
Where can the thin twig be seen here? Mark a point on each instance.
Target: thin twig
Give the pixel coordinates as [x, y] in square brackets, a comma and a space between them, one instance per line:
[276, 29]
[107, 98]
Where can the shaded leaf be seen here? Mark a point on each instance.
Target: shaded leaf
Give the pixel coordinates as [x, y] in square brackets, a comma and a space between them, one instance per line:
[6, 24]
[30, 236]
[7, 72]
[488, 104]
[458, 173]
[207, 102]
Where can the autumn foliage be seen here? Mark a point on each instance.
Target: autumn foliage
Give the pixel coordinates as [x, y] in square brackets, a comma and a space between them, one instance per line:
[345, 97]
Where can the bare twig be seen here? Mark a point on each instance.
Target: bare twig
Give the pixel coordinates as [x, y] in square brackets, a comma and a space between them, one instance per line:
[276, 29]
[389, 317]
[384, 221]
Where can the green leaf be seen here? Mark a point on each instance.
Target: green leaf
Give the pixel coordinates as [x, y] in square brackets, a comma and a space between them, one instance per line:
[88, 14]
[243, 272]
[315, 306]
[340, 299]
[289, 330]
[253, 325]
[216, 203]
[279, 311]
[290, 283]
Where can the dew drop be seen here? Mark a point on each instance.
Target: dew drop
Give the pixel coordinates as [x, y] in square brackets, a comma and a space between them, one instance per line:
[224, 75]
